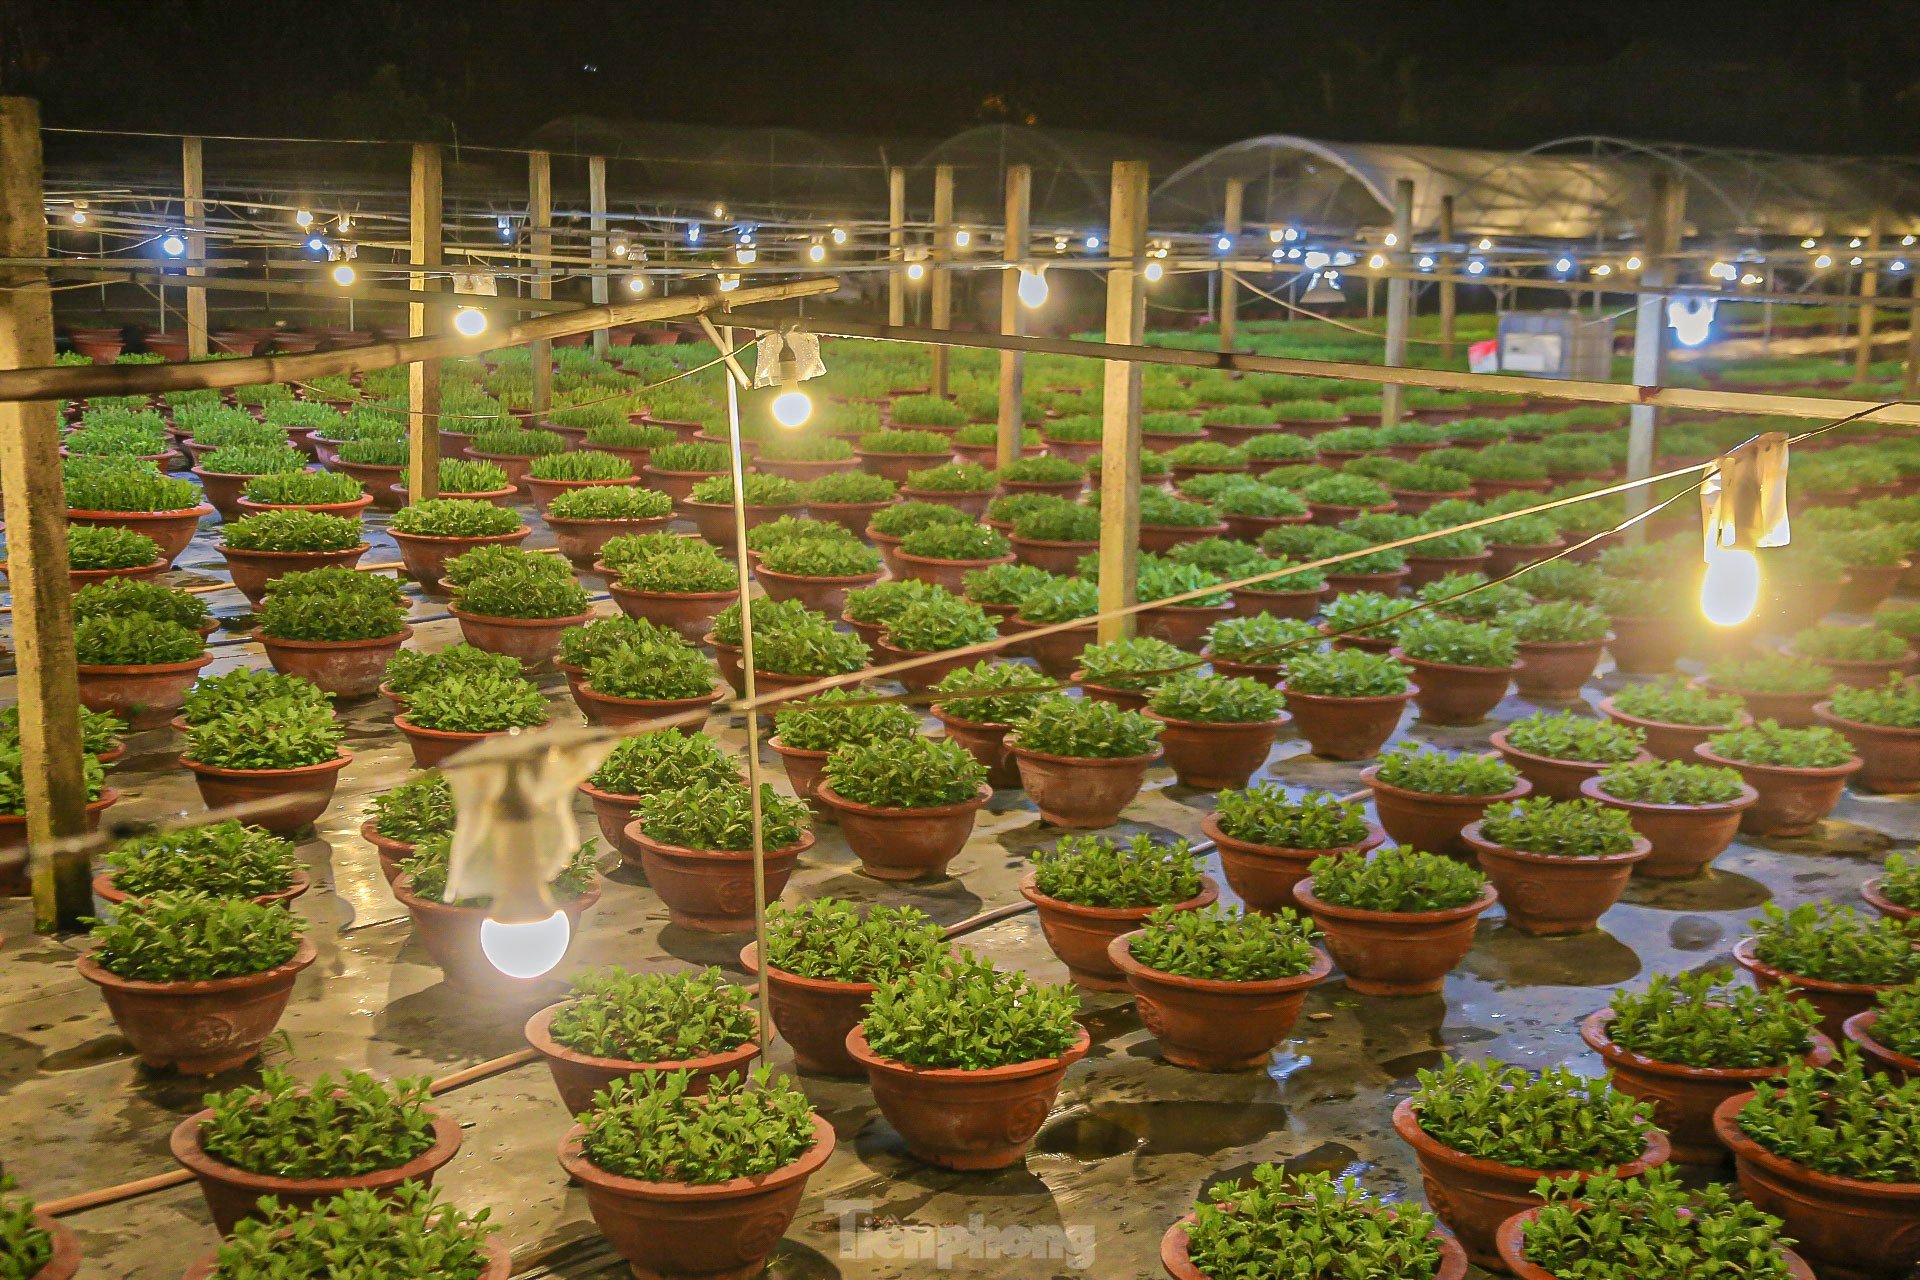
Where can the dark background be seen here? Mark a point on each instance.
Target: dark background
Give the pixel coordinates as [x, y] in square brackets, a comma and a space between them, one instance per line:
[1832, 77]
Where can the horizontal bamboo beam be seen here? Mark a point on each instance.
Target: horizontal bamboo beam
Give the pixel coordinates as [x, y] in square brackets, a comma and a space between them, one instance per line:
[57, 382]
[357, 292]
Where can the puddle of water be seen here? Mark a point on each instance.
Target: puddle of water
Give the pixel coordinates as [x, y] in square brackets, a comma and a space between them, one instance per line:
[1170, 1127]
[1514, 959]
[89, 1054]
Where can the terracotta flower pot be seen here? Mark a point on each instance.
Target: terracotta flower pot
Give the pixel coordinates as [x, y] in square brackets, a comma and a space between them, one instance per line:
[986, 743]
[690, 613]
[171, 531]
[1474, 1196]
[65, 1258]
[1866, 586]
[451, 935]
[957, 1118]
[1844, 1226]
[531, 640]
[199, 1028]
[1215, 756]
[1054, 557]
[1557, 669]
[932, 666]
[1875, 894]
[425, 559]
[1836, 1001]
[1510, 1239]
[950, 574]
[381, 482]
[1264, 875]
[615, 813]
[544, 492]
[392, 852]
[851, 516]
[580, 541]
[1395, 953]
[302, 794]
[1080, 935]
[231, 1192]
[1880, 1056]
[1269, 674]
[1184, 626]
[679, 1230]
[1162, 538]
[1792, 801]
[714, 520]
[1453, 694]
[711, 890]
[343, 668]
[1889, 757]
[1645, 645]
[1346, 728]
[1430, 821]
[1665, 741]
[252, 571]
[1385, 583]
[1792, 710]
[1683, 1098]
[1686, 838]
[828, 595]
[144, 695]
[345, 510]
[433, 747]
[79, 578]
[1056, 653]
[1130, 699]
[1548, 895]
[1554, 779]
[1250, 601]
[618, 712]
[578, 1076]
[222, 490]
[1862, 673]
[1509, 559]
[1423, 570]
[1080, 792]
[904, 844]
[1175, 1258]
[105, 890]
[813, 1015]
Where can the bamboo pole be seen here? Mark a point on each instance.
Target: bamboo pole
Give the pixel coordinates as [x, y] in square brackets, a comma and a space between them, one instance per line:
[1399, 296]
[597, 223]
[540, 223]
[51, 765]
[896, 245]
[1120, 406]
[1013, 364]
[1910, 381]
[942, 292]
[1662, 241]
[1869, 289]
[423, 376]
[1230, 283]
[193, 210]
[1447, 286]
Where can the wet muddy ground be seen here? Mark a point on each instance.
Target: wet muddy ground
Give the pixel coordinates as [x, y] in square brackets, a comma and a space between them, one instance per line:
[1132, 1141]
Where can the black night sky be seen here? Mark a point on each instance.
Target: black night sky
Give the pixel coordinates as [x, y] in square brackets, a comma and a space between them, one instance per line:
[1834, 77]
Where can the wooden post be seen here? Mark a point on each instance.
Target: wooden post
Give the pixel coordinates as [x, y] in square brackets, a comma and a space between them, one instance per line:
[1869, 289]
[1449, 261]
[193, 210]
[52, 767]
[1013, 364]
[1230, 283]
[597, 223]
[423, 377]
[897, 245]
[1911, 378]
[540, 223]
[1120, 410]
[1662, 242]
[1399, 295]
[942, 273]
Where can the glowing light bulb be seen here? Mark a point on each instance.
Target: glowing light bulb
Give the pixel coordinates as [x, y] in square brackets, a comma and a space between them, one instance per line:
[1476, 267]
[79, 215]
[346, 222]
[1291, 233]
[792, 407]
[719, 211]
[746, 256]
[1730, 588]
[816, 252]
[1854, 261]
[729, 282]
[1390, 240]
[303, 219]
[1154, 272]
[1274, 235]
[839, 235]
[636, 283]
[1854, 243]
[1823, 262]
[174, 245]
[1093, 242]
[526, 950]
[916, 271]
[1721, 271]
[1485, 244]
[1897, 265]
[1563, 265]
[1426, 262]
[1316, 259]
[1603, 270]
[1224, 244]
[343, 274]
[962, 238]
[1033, 288]
[1808, 243]
[470, 322]
[1906, 239]
[1377, 261]
[1633, 263]
[693, 233]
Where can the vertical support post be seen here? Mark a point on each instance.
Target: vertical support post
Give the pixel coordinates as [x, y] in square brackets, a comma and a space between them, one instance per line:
[1664, 221]
[897, 245]
[1399, 295]
[942, 291]
[1013, 364]
[1911, 374]
[1449, 266]
[540, 224]
[1869, 290]
[1229, 282]
[52, 768]
[597, 224]
[423, 378]
[1120, 409]
[193, 210]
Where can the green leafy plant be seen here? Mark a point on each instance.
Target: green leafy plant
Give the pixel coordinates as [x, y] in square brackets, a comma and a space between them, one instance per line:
[272, 733]
[244, 687]
[338, 1127]
[1274, 1222]
[992, 692]
[582, 464]
[25, 1246]
[837, 716]
[521, 590]
[968, 1015]
[222, 859]
[847, 487]
[1559, 828]
[334, 603]
[1706, 1019]
[477, 702]
[1770, 743]
[1226, 946]
[953, 477]
[1084, 728]
[1042, 469]
[1347, 673]
[1456, 642]
[1059, 522]
[1369, 613]
[455, 518]
[1062, 600]
[1609, 1228]
[824, 557]
[936, 625]
[1897, 1021]
[412, 669]
[1900, 880]
[1836, 944]
[427, 871]
[1396, 879]
[687, 569]
[1562, 735]
[1261, 639]
[1555, 1120]
[1770, 673]
[1893, 705]
[291, 530]
[253, 460]
[904, 773]
[1005, 584]
[194, 937]
[1560, 580]
[115, 640]
[1557, 622]
[812, 649]
[927, 443]
[1472, 598]
[460, 476]
[124, 484]
[656, 670]
[669, 760]
[1162, 510]
[1346, 491]
[403, 1234]
[1841, 1120]
[109, 547]
[416, 810]
[598, 637]
[1098, 871]
[306, 487]
[1677, 700]
[1266, 815]
[1137, 663]
[1434, 772]
[719, 815]
[962, 542]
[124, 597]
[904, 518]
[760, 490]
[375, 453]
[656, 1128]
[516, 442]
[1832, 642]
[1213, 699]
[692, 457]
[1671, 782]
[653, 1017]
[610, 502]
[828, 939]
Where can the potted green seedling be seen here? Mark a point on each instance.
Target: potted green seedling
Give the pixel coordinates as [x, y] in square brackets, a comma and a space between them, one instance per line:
[1258, 646]
[1799, 773]
[643, 682]
[224, 472]
[324, 492]
[981, 704]
[1274, 1217]
[819, 572]
[669, 581]
[1888, 1035]
[1673, 715]
[615, 1023]
[377, 465]
[825, 960]
[296, 1145]
[433, 532]
[1282, 591]
[1042, 473]
[800, 457]
[892, 525]
[100, 553]
[1777, 687]
[1896, 890]
[1835, 958]
[1426, 797]
[1520, 542]
[1185, 601]
[514, 450]
[223, 860]
[1650, 621]
[849, 499]
[418, 809]
[449, 931]
[1559, 864]
[907, 804]
[710, 504]
[965, 486]
[36, 1246]
[789, 651]
[965, 1060]
[1340, 498]
[1558, 751]
[1485, 1136]
[14, 882]
[194, 982]
[280, 751]
[129, 493]
[136, 666]
[1126, 672]
[897, 453]
[1688, 812]
[1216, 730]
[980, 442]
[1054, 537]
[1883, 724]
[943, 554]
[1346, 702]
[1559, 643]
[399, 1233]
[520, 609]
[1462, 670]
[553, 474]
[633, 442]
[1267, 840]
[1089, 890]
[646, 763]
[1861, 657]
[928, 633]
[459, 710]
[1082, 761]
[1692, 1040]
[335, 627]
[674, 469]
[806, 732]
[1398, 919]
[1166, 521]
[585, 519]
[696, 847]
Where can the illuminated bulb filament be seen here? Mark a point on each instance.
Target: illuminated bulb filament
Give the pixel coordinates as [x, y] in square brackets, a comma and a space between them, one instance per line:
[1730, 589]
[526, 950]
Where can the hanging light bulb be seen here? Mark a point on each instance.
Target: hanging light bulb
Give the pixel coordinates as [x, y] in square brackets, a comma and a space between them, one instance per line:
[618, 245]
[470, 322]
[1093, 243]
[962, 238]
[746, 255]
[637, 283]
[173, 244]
[839, 235]
[1722, 271]
[729, 281]
[1854, 243]
[1603, 270]
[343, 274]
[303, 219]
[1153, 273]
[1033, 288]
[1691, 319]
[1476, 267]
[720, 211]
[693, 233]
[1808, 243]
[1485, 244]
[1390, 239]
[1224, 244]
[1633, 263]
[1730, 588]
[346, 222]
[526, 948]
[79, 215]
[785, 359]
[1377, 261]
[1906, 239]
[1743, 507]
[1822, 262]
[916, 270]
[816, 252]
